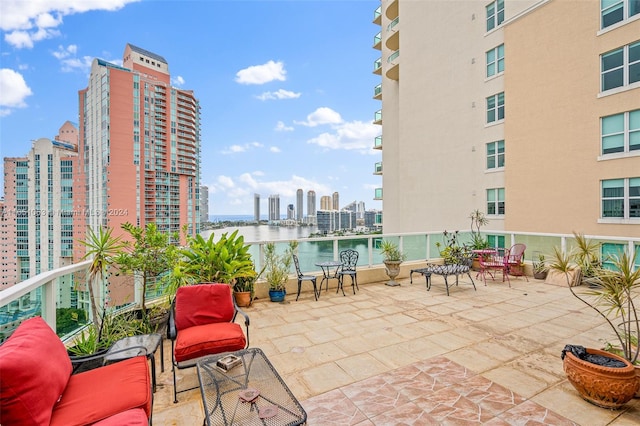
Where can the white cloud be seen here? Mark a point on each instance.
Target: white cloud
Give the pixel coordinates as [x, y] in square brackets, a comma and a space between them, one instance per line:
[322, 115]
[177, 80]
[280, 94]
[26, 22]
[354, 135]
[260, 74]
[225, 182]
[233, 149]
[274, 149]
[281, 127]
[13, 91]
[68, 60]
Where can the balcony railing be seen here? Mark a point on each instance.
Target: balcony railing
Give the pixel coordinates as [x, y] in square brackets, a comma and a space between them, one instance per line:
[377, 66]
[42, 294]
[378, 194]
[377, 41]
[377, 143]
[377, 170]
[377, 15]
[377, 91]
[377, 118]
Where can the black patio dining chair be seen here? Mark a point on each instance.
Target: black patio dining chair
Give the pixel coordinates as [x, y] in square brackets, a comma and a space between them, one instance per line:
[349, 259]
[302, 277]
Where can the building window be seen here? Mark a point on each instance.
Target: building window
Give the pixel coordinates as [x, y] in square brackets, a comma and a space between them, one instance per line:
[614, 11]
[495, 61]
[495, 107]
[620, 67]
[620, 132]
[495, 155]
[495, 14]
[621, 198]
[495, 201]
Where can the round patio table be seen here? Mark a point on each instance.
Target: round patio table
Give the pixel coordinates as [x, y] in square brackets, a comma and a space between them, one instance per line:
[330, 270]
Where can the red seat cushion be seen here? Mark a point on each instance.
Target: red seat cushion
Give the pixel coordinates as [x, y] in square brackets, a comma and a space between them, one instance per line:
[100, 393]
[203, 304]
[34, 371]
[134, 417]
[201, 340]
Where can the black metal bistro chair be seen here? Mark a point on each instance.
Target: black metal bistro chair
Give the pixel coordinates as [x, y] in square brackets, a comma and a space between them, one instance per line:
[349, 259]
[302, 277]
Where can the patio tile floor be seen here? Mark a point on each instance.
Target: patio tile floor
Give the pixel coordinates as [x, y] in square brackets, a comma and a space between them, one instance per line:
[407, 356]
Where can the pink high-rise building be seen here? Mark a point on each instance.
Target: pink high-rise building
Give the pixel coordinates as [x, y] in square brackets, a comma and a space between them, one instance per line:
[139, 148]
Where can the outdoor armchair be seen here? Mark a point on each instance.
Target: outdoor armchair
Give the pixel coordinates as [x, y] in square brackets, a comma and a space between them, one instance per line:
[201, 323]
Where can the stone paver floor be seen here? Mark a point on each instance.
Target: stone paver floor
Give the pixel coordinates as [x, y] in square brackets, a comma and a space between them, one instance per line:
[407, 356]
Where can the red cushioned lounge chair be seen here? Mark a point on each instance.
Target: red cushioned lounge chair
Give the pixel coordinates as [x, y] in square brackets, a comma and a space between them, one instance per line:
[201, 323]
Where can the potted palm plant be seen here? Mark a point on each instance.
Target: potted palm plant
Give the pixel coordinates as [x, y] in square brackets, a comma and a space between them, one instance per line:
[392, 258]
[613, 296]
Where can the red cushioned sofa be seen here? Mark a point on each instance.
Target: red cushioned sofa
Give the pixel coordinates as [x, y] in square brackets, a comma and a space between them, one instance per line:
[37, 388]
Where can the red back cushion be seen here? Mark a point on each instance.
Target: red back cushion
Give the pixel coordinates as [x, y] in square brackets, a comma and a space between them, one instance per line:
[203, 304]
[34, 371]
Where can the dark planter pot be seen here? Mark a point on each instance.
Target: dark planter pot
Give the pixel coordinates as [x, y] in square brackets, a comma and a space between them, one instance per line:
[81, 363]
[605, 387]
[277, 295]
[540, 275]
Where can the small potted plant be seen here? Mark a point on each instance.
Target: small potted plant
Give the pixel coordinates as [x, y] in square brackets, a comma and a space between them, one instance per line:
[540, 268]
[393, 257]
[276, 270]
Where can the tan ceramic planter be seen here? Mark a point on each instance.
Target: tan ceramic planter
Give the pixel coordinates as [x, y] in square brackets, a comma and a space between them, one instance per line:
[605, 387]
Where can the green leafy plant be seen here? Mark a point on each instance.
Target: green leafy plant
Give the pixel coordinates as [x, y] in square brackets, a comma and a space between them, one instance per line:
[613, 296]
[149, 257]
[452, 251]
[277, 266]
[478, 219]
[391, 252]
[540, 265]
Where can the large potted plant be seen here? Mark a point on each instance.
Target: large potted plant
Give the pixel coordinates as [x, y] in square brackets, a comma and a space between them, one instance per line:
[392, 258]
[226, 260]
[612, 297]
[276, 270]
[540, 268]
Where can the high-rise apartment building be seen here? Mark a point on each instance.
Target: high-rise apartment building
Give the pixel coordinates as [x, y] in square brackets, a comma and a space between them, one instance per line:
[256, 207]
[299, 203]
[139, 147]
[274, 207]
[36, 228]
[291, 212]
[335, 201]
[326, 203]
[311, 207]
[526, 110]
[204, 204]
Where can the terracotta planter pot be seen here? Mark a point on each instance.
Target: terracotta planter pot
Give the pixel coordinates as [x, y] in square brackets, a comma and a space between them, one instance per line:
[605, 387]
[243, 298]
[392, 270]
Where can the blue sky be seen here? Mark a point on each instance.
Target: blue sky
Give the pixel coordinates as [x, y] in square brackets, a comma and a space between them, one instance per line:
[285, 87]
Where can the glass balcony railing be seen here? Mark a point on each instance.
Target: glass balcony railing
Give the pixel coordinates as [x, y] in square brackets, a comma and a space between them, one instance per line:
[377, 66]
[377, 15]
[377, 170]
[393, 56]
[377, 118]
[53, 294]
[378, 194]
[393, 23]
[377, 143]
[377, 40]
[377, 91]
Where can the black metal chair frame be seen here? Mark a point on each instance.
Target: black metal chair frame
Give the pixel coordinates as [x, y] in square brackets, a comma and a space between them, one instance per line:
[302, 277]
[349, 259]
[462, 266]
[172, 334]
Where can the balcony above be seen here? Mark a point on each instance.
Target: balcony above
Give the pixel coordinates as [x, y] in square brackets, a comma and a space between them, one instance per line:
[393, 35]
[377, 119]
[377, 41]
[378, 194]
[394, 70]
[377, 144]
[377, 66]
[377, 92]
[392, 9]
[377, 15]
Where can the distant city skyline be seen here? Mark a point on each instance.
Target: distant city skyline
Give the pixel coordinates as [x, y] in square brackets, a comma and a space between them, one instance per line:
[280, 112]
